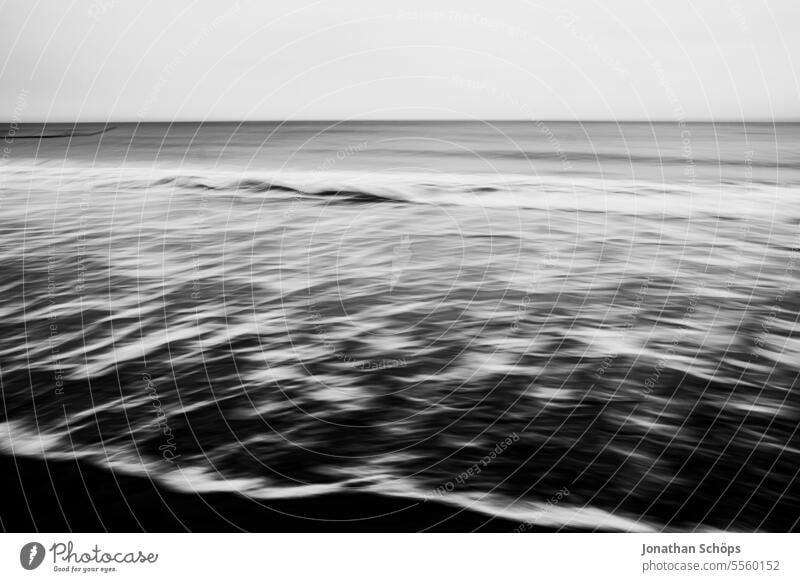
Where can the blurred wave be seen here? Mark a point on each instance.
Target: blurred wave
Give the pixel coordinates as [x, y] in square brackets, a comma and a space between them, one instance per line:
[289, 332]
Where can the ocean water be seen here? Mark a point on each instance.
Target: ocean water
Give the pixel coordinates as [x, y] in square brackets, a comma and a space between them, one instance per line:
[567, 325]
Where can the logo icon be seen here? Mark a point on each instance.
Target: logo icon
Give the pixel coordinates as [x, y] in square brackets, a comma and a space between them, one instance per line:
[31, 555]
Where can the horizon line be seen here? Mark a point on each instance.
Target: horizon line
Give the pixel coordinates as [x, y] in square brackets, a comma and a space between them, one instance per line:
[408, 120]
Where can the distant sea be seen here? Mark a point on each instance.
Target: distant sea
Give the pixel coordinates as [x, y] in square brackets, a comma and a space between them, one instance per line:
[560, 325]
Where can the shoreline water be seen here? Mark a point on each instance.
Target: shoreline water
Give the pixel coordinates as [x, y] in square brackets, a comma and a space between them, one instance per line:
[67, 496]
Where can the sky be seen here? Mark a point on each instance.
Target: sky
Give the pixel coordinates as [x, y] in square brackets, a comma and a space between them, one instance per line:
[121, 60]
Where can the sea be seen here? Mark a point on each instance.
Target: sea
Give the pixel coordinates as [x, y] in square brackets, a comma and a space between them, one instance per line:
[578, 326]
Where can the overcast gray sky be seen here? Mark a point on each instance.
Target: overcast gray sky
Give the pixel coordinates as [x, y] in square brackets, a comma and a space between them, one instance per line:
[93, 60]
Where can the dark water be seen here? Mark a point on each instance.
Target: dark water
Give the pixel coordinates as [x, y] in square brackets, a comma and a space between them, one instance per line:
[566, 325]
